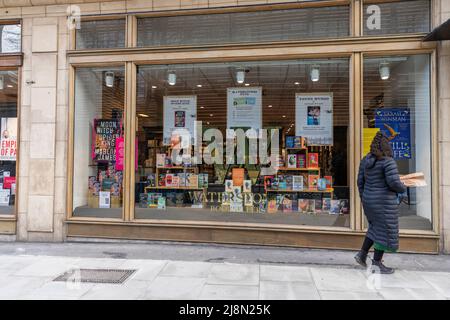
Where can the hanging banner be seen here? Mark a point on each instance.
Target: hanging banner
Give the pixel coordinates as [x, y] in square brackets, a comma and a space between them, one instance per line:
[395, 123]
[120, 153]
[8, 142]
[244, 107]
[180, 114]
[105, 134]
[314, 118]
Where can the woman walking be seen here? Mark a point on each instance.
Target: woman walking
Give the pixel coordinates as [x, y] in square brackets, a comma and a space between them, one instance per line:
[379, 188]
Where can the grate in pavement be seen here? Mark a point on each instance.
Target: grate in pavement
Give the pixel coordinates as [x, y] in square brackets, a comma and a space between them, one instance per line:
[96, 275]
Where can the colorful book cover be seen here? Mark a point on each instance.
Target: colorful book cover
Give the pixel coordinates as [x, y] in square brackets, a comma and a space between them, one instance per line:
[205, 180]
[247, 186]
[169, 179]
[161, 202]
[311, 205]
[326, 205]
[344, 206]
[200, 180]
[303, 205]
[175, 181]
[287, 204]
[153, 199]
[282, 183]
[238, 176]
[228, 185]
[171, 199]
[329, 180]
[289, 182]
[182, 179]
[160, 160]
[292, 161]
[161, 180]
[193, 180]
[313, 160]
[268, 182]
[297, 183]
[294, 203]
[151, 178]
[299, 142]
[312, 181]
[301, 161]
[335, 207]
[263, 206]
[290, 141]
[272, 206]
[317, 206]
[143, 200]
[321, 184]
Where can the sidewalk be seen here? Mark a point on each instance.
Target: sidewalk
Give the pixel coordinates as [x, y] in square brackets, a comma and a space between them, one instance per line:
[190, 271]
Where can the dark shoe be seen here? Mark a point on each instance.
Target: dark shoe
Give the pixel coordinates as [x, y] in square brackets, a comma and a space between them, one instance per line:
[361, 258]
[379, 267]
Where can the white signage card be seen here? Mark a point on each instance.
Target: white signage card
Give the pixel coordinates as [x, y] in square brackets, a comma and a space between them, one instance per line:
[244, 107]
[314, 118]
[180, 114]
[104, 199]
[4, 197]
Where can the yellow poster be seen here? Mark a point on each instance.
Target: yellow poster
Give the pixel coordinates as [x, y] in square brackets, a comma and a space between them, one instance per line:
[368, 135]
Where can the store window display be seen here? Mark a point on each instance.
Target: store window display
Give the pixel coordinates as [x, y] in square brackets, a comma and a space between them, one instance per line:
[397, 101]
[99, 142]
[8, 141]
[258, 142]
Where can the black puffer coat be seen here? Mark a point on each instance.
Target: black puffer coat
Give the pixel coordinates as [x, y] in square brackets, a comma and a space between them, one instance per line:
[379, 184]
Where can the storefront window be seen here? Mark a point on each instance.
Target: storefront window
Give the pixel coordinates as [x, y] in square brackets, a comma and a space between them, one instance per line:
[101, 34]
[241, 27]
[10, 38]
[262, 142]
[397, 101]
[8, 141]
[98, 142]
[396, 17]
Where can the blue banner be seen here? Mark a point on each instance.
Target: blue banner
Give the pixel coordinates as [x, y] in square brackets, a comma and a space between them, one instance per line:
[395, 123]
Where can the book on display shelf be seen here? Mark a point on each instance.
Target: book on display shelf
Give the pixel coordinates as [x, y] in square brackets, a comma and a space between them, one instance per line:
[313, 160]
[312, 181]
[311, 205]
[292, 161]
[303, 205]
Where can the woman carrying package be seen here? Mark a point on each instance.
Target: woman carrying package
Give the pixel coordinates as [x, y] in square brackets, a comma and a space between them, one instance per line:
[379, 188]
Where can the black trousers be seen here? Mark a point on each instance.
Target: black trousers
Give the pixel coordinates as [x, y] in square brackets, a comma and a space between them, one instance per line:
[367, 244]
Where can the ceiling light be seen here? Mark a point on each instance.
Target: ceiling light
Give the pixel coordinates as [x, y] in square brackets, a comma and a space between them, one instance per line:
[211, 115]
[240, 76]
[109, 79]
[143, 115]
[172, 78]
[247, 84]
[315, 74]
[385, 72]
[297, 83]
[202, 107]
[207, 122]
[269, 106]
[154, 87]
[284, 116]
[9, 85]
[199, 86]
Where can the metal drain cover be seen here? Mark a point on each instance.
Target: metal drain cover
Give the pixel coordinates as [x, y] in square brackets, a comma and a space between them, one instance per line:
[96, 275]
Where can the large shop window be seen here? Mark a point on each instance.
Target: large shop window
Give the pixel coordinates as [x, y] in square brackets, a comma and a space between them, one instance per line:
[101, 34]
[8, 141]
[254, 142]
[241, 27]
[397, 101]
[10, 41]
[397, 17]
[98, 142]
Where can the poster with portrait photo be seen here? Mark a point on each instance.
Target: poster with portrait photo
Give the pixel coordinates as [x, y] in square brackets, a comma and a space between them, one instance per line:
[314, 118]
[8, 139]
[180, 114]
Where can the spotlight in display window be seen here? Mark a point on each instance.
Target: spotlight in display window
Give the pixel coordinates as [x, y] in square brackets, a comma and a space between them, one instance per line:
[109, 79]
[240, 76]
[385, 71]
[172, 78]
[315, 74]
